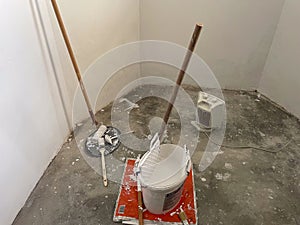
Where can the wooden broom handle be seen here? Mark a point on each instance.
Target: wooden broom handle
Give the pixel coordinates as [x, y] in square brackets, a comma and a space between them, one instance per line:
[73, 59]
[181, 74]
[140, 206]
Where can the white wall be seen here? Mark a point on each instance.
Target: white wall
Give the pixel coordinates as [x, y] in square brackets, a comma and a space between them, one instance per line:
[235, 40]
[281, 76]
[36, 98]
[33, 124]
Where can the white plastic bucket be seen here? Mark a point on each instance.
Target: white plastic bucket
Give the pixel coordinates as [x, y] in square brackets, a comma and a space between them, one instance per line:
[162, 188]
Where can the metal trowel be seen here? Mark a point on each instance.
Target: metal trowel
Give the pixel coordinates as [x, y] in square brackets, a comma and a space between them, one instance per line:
[103, 142]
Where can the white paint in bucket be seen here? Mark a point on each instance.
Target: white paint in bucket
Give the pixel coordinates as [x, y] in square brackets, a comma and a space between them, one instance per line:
[162, 184]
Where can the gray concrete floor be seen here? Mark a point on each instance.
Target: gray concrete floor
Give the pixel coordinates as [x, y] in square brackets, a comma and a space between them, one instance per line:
[258, 188]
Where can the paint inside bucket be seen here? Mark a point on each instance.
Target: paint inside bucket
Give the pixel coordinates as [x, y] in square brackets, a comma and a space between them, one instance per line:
[163, 173]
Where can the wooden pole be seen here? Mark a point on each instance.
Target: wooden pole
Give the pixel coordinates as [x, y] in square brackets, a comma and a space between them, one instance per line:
[140, 205]
[139, 190]
[181, 74]
[73, 59]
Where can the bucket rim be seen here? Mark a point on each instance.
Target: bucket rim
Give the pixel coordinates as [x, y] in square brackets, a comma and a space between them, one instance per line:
[183, 172]
[158, 187]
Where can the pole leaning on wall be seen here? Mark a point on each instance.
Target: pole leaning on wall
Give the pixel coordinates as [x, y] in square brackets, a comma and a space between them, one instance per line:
[191, 48]
[74, 62]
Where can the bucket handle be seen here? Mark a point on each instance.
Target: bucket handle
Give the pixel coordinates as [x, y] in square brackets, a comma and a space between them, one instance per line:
[188, 159]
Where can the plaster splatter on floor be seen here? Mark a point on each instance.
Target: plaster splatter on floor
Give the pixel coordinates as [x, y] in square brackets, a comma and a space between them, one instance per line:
[241, 187]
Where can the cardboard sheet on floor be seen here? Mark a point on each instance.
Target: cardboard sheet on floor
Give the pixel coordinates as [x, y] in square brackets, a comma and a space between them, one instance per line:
[126, 210]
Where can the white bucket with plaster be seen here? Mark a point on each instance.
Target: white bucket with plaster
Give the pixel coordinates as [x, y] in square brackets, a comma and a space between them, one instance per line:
[163, 172]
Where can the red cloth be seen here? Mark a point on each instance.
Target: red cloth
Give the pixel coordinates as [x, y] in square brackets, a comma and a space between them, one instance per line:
[127, 203]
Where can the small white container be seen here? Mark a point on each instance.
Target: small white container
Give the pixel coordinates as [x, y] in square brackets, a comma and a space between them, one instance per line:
[211, 110]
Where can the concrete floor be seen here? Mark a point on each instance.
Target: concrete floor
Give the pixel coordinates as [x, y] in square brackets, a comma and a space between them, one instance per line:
[257, 187]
